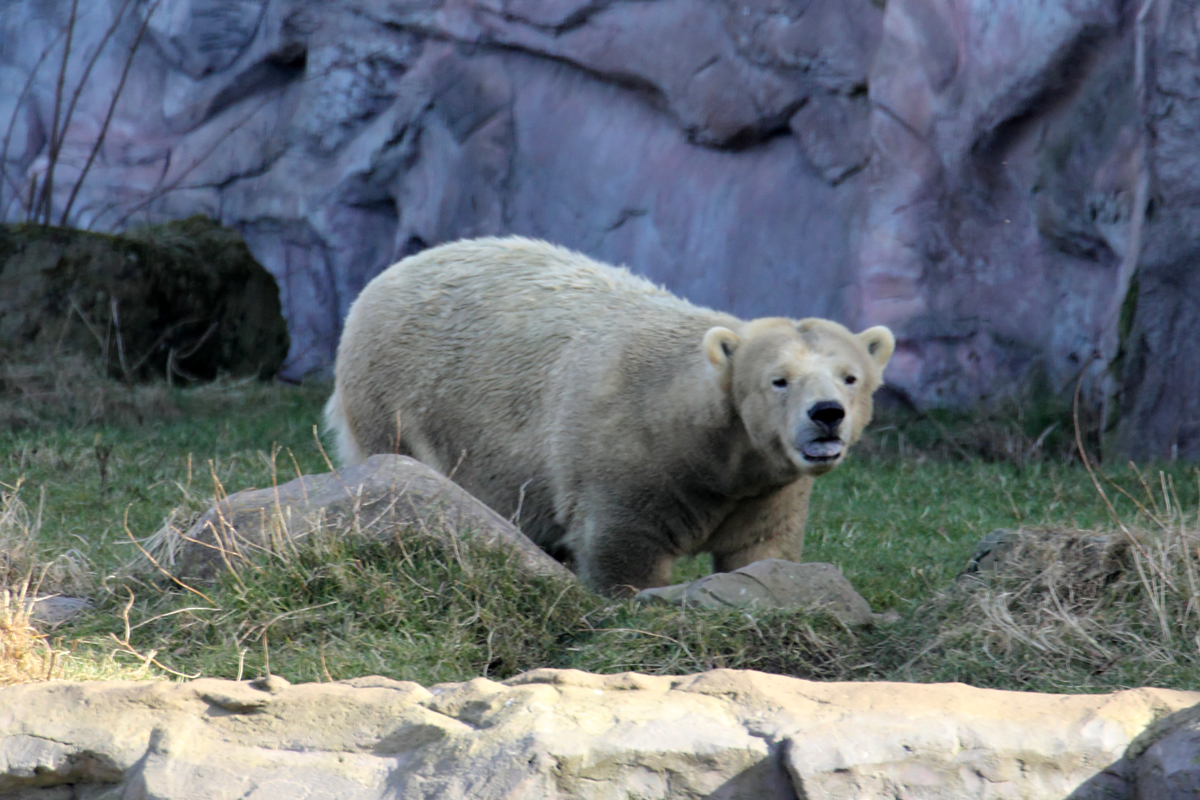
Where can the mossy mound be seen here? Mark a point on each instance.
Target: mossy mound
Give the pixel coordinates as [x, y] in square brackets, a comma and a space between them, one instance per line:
[185, 300]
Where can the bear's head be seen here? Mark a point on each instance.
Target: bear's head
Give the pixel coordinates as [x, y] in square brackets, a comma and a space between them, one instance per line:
[803, 389]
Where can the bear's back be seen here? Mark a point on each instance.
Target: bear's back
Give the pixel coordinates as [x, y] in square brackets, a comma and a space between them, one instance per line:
[515, 273]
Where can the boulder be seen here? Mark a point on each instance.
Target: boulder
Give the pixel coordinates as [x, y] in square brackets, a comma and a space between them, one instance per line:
[383, 495]
[180, 300]
[567, 734]
[771, 583]
[1167, 762]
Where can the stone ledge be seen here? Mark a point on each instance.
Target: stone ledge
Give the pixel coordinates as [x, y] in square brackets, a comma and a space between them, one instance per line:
[570, 734]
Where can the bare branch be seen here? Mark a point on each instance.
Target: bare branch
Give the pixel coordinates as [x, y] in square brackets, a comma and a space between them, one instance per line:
[46, 199]
[112, 105]
[12, 121]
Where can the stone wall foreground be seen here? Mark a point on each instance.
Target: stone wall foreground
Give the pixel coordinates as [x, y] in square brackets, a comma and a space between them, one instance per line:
[567, 734]
[983, 177]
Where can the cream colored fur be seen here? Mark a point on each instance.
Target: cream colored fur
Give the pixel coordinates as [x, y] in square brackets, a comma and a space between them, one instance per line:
[620, 426]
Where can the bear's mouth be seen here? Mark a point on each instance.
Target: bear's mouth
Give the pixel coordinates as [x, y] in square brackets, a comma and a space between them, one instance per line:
[823, 451]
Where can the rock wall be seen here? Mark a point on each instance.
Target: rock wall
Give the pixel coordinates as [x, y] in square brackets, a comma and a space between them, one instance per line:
[1155, 406]
[964, 171]
[567, 734]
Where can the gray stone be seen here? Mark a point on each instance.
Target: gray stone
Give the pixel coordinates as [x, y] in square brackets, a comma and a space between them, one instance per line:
[384, 494]
[1166, 758]
[54, 609]
[770, 583]
[1028, 551]
[988, 555]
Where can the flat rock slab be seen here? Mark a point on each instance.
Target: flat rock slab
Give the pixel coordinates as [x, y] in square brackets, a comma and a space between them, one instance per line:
[377, 497]
[54, 609]
[569, 734]
[771, 583]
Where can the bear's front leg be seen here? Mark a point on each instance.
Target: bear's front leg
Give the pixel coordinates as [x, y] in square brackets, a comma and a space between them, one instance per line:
[770, 526]
[620, 561]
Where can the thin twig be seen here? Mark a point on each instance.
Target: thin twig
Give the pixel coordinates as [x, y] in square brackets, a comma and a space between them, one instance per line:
[146, 658]
[12, 123]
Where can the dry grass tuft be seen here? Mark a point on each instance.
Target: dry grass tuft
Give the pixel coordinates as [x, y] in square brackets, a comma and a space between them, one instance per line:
[26, 576]
[25, 654]
[1119, 605]
[22, 560]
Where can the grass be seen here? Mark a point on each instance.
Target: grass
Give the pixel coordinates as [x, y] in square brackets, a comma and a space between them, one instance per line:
[1090, 598]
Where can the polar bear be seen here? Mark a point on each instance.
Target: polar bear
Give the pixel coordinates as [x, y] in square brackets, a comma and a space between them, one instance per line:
[620, 426]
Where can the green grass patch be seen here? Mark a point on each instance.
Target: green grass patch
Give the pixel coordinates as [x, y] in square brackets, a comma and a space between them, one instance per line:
[900, 519]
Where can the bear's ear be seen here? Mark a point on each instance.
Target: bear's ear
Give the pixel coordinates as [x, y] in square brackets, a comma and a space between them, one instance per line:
[719, 344]
[880, 344]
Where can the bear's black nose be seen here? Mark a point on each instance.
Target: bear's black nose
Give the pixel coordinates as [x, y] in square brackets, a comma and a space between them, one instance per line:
[828, 414]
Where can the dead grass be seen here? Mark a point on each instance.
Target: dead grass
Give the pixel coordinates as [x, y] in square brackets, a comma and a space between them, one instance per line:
[56, 389]
[24, 653]
[1069, 609]
[33, 570]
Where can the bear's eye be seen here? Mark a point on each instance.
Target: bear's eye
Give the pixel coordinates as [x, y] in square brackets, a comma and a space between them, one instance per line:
[779, 383]
[851, 380]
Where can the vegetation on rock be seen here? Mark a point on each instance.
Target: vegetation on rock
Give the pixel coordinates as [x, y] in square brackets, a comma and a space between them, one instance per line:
[183, 301]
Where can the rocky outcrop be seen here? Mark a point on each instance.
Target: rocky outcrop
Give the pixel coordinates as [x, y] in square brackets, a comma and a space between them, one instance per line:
[567, 734]
[970, 173]
[1003, 179]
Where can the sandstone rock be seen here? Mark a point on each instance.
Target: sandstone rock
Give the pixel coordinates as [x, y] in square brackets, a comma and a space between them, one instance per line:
[566, 734]
[378, 497]
[771, 583]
